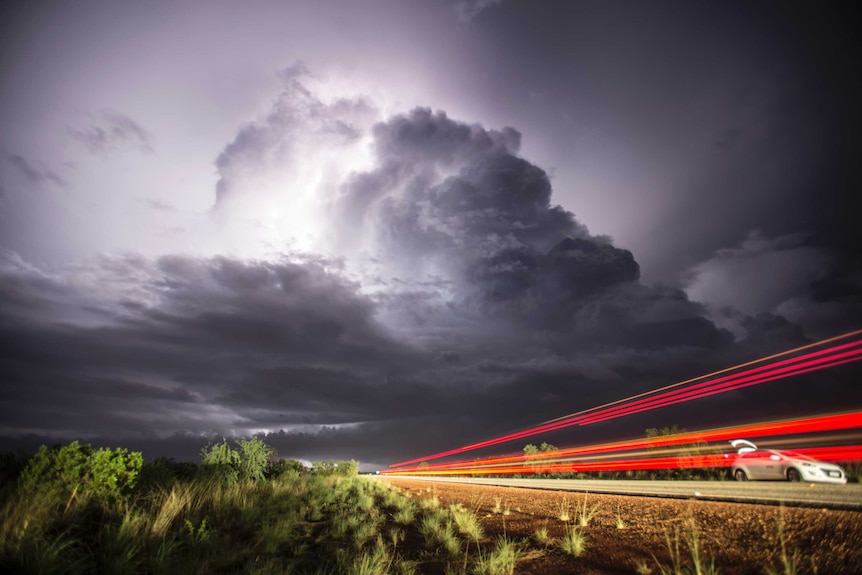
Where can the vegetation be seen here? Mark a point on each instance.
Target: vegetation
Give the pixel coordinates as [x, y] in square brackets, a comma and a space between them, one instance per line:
[574, 542]
[686, 536]
[75, 509]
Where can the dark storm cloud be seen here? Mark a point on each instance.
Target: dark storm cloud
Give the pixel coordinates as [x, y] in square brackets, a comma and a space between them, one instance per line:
[112, 132]
[794, 276]
[177, 343]
[454, 200]
[33, 174]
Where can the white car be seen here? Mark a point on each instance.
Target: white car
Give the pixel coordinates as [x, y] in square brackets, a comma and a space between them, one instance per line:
[753, 463]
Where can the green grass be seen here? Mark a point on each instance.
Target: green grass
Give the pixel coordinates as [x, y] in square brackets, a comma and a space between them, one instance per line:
[541, 537]
[500, 560]
[306, 524]
[574, 542]
[466, 522]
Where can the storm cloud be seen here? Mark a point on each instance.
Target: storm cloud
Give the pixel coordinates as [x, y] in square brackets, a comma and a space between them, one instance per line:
[489, 290]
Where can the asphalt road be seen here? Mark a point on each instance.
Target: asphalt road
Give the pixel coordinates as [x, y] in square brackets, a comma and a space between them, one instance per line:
[765, 492]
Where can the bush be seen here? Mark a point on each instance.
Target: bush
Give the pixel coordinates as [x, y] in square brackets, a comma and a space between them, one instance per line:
[249, 460]
[254, 458]
[340, 468]
[60, 473]
[284, 468]
[220, 464]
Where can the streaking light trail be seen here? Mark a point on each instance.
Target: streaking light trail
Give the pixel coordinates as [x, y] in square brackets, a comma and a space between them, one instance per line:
[673, 451]
[688, 390]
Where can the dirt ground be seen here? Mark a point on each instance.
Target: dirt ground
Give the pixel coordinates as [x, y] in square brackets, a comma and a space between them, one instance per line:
[741, 538]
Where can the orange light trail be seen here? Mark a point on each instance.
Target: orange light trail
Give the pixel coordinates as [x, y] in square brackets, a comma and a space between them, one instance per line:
[826, 454]
[830, 357]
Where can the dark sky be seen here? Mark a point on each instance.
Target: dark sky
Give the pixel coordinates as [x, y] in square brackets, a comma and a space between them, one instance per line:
[380, 229]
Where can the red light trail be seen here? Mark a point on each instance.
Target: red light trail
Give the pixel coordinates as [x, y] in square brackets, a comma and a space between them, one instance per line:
[584, 458]
[813, 361]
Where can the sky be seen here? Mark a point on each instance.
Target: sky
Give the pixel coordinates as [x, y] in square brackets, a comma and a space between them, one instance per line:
[380, 229]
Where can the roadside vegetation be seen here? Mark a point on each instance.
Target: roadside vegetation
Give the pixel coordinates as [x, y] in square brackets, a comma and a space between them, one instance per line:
[75, 509]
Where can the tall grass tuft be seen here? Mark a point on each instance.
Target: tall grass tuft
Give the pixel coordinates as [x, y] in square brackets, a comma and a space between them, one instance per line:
[574, 542]
[620, 522]
[690, 537]
[467, 522]
[586, 515]
[564, 514]
[541, 537]
[500, 560]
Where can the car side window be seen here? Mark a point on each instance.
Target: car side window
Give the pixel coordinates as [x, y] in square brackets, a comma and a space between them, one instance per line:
[755, 455]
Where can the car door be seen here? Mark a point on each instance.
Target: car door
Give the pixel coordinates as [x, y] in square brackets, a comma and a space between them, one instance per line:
[759, 465]
[775, 466]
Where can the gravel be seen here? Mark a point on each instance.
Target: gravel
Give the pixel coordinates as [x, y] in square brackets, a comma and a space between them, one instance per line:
[741, 538]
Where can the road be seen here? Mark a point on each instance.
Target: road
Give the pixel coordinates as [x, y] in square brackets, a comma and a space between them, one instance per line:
[766, 492]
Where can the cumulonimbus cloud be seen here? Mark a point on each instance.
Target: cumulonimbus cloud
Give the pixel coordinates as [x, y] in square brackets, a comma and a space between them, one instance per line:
[483, 292]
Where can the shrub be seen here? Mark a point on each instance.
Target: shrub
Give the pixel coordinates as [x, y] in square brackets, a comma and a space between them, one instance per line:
[286, 468]
[339, 468]
[254, 458]
[61, 473]
[247, 460]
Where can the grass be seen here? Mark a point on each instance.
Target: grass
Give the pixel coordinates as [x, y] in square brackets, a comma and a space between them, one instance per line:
[497, 506]
[620, 522]
[500, 560]
[789, 560]
[306, 525]
[573, 542]
[466, 522]
[686, 535]
[541, 537]
[586, 515]
[564, 514]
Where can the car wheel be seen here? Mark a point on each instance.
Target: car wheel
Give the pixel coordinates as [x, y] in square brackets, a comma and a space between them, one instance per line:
[794, 475]
[740, 475]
